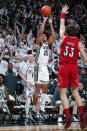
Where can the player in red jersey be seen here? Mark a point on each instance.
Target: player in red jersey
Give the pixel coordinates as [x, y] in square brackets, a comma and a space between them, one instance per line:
[68, 68]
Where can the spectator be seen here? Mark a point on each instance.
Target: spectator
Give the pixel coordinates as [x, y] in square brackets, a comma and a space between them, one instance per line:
[3, 94]
[3, 64]
[11, 80]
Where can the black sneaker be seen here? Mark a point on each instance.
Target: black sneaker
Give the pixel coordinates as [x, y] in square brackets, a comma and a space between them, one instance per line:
[42, 115]
[27, 120]
[68, 122]
[83, 120]
[33, 116]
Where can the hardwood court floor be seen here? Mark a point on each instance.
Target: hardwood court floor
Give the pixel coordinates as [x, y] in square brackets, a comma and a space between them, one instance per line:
[42, 128]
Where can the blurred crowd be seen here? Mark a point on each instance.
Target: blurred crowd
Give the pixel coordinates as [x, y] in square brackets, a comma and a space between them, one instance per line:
[15, 41]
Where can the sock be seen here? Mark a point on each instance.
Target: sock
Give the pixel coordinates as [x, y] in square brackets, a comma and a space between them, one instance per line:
[80, 108]
[42, 108]
[43, 98]
[34, 108]
[27, 106]
[67, 112]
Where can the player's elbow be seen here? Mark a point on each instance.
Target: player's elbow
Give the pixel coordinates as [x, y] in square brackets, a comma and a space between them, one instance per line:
[53, 35]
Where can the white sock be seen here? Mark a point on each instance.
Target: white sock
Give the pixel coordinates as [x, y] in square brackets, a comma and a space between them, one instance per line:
[43, 98]
[27, 106]
[42, 108]
[34, 108]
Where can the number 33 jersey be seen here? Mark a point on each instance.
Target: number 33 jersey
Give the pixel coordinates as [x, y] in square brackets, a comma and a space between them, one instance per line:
[69, 50]
[44, 54]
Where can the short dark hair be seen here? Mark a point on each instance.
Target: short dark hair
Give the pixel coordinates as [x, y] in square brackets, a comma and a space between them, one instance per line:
[29, 52]
[71, 30]
[2, 76]
[10, 63]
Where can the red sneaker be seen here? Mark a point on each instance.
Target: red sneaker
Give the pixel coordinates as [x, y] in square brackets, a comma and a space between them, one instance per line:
[68, 122]
[83, 120]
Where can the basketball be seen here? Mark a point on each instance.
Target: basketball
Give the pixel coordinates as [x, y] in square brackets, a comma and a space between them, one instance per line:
[45, 11]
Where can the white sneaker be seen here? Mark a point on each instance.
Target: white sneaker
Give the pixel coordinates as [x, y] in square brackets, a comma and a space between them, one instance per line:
[27, 116]
[75, 119]
[60, 121]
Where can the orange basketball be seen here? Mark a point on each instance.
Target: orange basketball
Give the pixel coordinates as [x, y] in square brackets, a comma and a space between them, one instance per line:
[46, 10]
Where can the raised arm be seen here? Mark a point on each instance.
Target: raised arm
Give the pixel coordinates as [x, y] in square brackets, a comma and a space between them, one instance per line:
[62, 22]
[41, 30]
[52, 36]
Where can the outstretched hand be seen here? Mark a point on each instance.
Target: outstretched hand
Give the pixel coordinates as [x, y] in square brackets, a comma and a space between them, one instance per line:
[45, 19]
[65, 9]
[50, 19]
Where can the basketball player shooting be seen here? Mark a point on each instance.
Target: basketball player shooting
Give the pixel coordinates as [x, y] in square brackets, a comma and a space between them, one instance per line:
[43, 74]
[70, 46]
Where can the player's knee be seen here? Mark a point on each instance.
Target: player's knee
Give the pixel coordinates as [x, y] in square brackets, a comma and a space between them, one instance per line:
[63, 96]
[75, 93]
[44, 90]
[36, 93]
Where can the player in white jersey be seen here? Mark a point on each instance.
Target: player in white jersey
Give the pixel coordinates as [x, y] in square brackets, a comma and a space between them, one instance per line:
[43, 74]
[28, 77]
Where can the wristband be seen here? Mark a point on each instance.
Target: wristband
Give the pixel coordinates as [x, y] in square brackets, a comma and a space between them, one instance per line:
[62, 15]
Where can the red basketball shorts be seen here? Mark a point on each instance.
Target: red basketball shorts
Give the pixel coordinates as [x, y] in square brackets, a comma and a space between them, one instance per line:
[68, 73]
